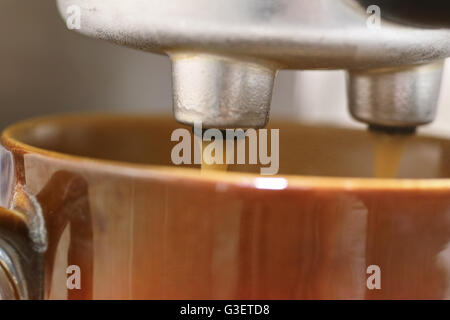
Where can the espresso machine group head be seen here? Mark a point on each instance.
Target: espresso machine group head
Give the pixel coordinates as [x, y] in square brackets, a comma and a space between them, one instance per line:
[225, 54]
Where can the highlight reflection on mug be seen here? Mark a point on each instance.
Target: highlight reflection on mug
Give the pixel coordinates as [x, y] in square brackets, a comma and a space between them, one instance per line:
[210, 152]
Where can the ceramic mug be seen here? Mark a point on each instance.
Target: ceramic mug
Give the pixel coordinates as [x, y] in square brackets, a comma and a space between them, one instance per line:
[93, 208]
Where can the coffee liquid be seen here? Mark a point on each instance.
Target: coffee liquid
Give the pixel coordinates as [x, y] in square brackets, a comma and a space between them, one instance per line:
[388, 152]
[389, 149]
[207, 157]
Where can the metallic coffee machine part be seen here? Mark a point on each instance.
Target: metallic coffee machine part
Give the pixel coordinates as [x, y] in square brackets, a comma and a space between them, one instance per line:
[225, 54]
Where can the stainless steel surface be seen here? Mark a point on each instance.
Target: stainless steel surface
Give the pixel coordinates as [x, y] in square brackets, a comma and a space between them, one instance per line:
[299, 34]
[12, 284]
[21, 266]
[398, 97]
[290, 34]
[220, 91]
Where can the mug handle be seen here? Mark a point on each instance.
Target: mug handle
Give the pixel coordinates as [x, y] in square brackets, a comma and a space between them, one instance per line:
[21, 264]
[28, 248]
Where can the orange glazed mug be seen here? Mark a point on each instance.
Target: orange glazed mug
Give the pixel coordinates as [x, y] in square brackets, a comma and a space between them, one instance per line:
[97, 197]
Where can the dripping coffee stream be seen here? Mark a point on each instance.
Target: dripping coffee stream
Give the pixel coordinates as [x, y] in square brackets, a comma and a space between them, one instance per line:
[209, 157]
[389, 146]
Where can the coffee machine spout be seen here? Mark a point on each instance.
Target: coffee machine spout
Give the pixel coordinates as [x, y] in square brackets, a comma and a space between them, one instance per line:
[221, 92]
[225, 55]
[401, 97]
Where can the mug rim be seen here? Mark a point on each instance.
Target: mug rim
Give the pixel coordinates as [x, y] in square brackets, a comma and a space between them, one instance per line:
[10, 141]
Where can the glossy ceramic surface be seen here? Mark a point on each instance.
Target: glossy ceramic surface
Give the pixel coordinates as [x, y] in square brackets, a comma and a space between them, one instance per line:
[99, 192]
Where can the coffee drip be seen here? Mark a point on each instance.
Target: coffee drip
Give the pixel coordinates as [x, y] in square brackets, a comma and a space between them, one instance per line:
[388, 149]
[208, 161]
[388, 152]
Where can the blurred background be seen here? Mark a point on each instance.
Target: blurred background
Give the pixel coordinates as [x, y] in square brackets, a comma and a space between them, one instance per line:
[45, 68]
